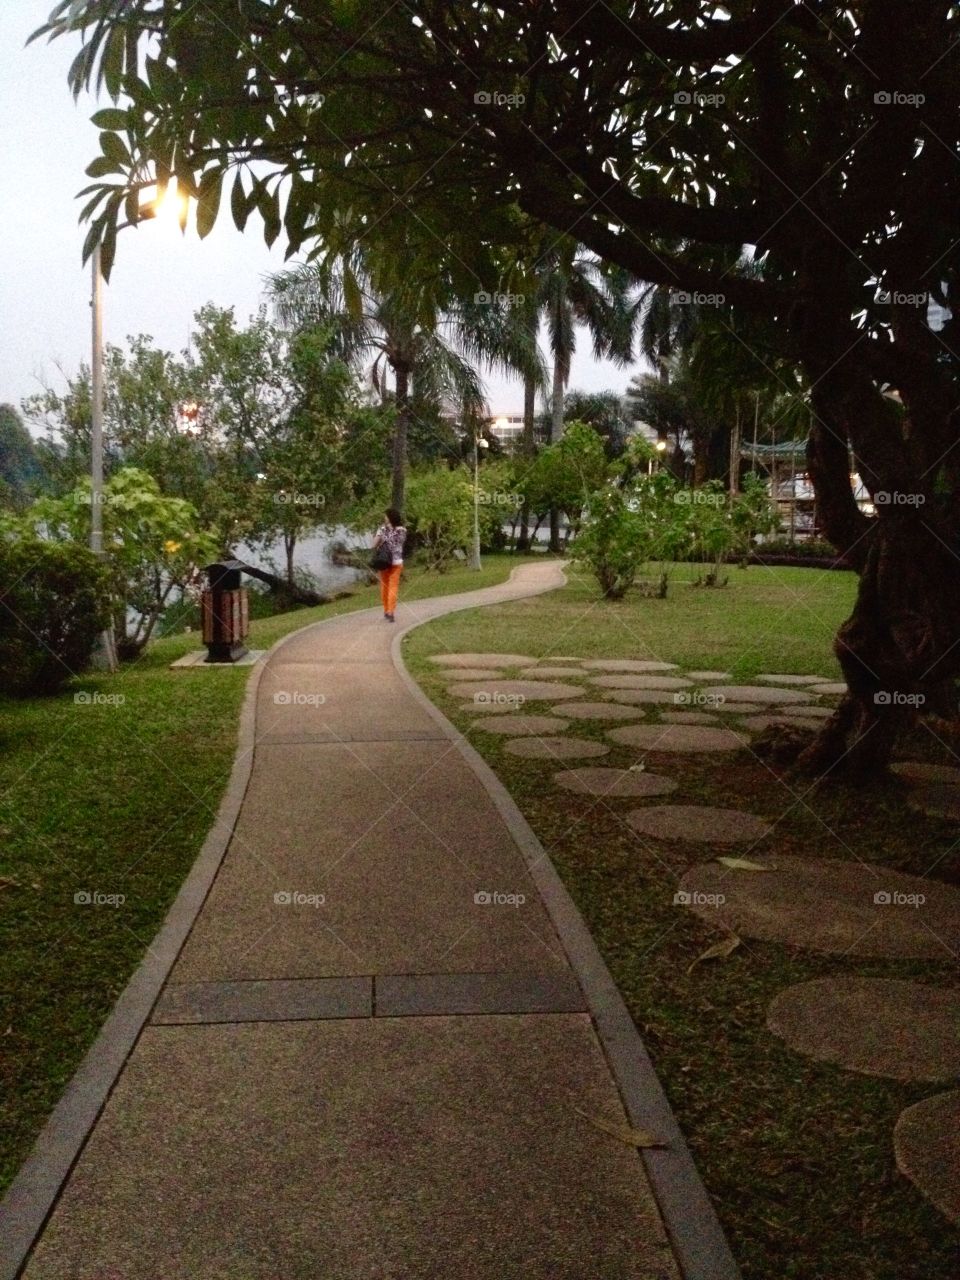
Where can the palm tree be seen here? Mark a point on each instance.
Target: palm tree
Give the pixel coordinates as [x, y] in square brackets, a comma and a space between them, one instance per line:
[425, 335]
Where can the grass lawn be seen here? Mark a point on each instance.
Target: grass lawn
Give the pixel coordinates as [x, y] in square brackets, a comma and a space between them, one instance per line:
[797, 1155]
[113, 798]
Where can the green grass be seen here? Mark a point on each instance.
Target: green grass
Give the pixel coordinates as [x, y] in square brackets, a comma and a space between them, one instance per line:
[114, 798]
[796, 1155]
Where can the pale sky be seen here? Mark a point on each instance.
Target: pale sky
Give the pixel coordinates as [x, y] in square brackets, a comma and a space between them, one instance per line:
[160, 277]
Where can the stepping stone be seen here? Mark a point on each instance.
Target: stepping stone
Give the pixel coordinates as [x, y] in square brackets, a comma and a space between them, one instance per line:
[733, 708]
[557, 657]
[758, 693]
[709, 675]
[877, 1026]
[677, 737]
[519, 725]
[920, 771]
[831, 689]
[482, 660]
[597, 711]
[535, 673]
[487, 708]
[641, 696]
[697, 700]
[927, 1147]
[810, 713]
[688, 717]
[698, 822]
[525, 690]
[641, 682]
[555, 748]
[598, 781]
[628, 664]
[478, 673]
[756, 724]
[833, 906]
[775, 679]
[936, 800]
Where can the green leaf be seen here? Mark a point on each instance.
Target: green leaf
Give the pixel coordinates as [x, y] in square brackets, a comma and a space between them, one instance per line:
[100, 167]
[208, 204]
[238, 203]
[114, 148]
[110, 118]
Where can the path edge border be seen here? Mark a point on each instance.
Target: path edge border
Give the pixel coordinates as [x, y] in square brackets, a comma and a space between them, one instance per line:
[690, 1219]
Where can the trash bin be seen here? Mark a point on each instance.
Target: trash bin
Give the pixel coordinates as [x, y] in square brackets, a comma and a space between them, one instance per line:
[225, 610]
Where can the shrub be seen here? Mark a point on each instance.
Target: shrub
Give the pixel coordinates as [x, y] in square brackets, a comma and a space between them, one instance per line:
[54, 601]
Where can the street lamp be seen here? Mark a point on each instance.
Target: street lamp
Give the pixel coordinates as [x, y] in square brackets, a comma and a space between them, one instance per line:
[660, 448]
[105, 655]
[478, 444]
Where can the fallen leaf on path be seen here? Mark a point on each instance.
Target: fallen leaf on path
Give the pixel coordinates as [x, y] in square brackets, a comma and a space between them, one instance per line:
[7, 881]
[624, 1132]
[717, 951]
[744, 864]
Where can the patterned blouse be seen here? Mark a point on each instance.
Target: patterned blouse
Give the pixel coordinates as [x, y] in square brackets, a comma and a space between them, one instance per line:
[394, 537]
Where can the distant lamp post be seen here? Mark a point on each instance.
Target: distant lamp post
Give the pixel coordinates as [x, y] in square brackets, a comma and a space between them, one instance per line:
[660, 447]
[478, 444]
[169, 202]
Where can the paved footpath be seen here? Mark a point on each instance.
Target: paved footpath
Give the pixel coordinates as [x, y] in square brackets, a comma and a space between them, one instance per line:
[354, 1070]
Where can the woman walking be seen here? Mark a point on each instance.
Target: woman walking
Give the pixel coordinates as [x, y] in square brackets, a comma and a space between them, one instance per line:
[391, 535]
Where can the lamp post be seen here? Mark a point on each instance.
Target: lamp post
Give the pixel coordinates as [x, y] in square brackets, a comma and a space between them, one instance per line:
[660, 447]
[478, 444]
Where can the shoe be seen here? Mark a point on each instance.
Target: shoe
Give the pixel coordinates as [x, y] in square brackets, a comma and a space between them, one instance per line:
[391, 618]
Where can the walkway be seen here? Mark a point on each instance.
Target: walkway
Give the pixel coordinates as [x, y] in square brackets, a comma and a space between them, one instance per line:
[371, 1058]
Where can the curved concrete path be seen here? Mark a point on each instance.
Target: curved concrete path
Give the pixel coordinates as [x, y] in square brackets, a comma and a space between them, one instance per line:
[371, 1055]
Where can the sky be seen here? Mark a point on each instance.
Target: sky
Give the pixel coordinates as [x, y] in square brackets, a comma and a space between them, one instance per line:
[160, 278]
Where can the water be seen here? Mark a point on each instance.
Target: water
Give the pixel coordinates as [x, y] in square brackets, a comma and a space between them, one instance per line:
[312, 554]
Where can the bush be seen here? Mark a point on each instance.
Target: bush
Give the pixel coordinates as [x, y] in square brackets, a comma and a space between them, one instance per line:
[54, 602]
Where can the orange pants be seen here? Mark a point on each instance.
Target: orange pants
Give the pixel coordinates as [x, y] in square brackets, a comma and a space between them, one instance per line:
[389, 586]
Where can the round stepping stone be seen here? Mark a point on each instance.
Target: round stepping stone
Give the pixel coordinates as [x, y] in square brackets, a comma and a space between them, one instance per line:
[927, 1147]
[641, 696]
[555, 748]
[677, 737]
[831, 689]
[477, 673]
[832, 906]
[688, 717]
[878, 1026]
[936, 800]
[557, 657]
[482, 659]
[776, 679]
[598, 711]
[709, 675]
[536, 673]
[628, 664]
[734, 708]
[520, 725]
[641, 682]
[758, 693]
[809, 713]
[698, 822]
[920, 771]
[599, 781]
[528, 690]
[756, 724]
[486, 708]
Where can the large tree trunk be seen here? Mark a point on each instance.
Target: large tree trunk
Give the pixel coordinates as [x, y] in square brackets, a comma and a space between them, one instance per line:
[398, 494]
[556, 433]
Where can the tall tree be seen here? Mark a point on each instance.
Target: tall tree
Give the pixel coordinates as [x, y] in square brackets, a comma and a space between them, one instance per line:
[664, 140]
[21, 470]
